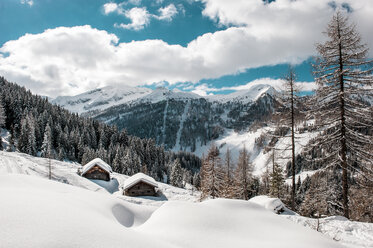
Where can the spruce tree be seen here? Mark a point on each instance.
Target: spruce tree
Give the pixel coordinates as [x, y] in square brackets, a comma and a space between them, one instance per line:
[2, 123]
[277, 181]
[46, 148]
[344, 80]
[2, 115]
[176, 177]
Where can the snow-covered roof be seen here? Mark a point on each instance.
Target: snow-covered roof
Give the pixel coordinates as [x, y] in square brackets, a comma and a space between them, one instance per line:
[138, 178]
[99, 162]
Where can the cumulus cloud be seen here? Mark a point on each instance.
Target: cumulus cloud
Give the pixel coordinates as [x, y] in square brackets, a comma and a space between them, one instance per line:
[167, 13]
[139, 17]
[110, 8]
[60, 61]
[73, 60]
[299, 22]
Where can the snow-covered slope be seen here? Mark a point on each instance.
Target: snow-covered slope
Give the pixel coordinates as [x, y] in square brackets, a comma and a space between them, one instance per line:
[351, 234]
[100, 99]
[245, 96]
[38, 213]
[236, 141]
[162, 94]
[20, 163]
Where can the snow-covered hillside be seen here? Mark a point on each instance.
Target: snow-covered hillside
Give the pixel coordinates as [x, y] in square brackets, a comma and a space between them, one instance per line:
[236, 141]
[36, 212]
[20, 163]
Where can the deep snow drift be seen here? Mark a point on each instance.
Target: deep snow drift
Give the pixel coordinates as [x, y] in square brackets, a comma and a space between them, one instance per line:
[20, 163]
[36, 212]
[31, 200]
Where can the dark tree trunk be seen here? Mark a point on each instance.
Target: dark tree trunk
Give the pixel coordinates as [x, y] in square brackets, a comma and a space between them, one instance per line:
[292, 142]
[343, 134]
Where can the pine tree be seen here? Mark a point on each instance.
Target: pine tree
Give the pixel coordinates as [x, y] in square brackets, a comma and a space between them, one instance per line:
[197, 180]
[176, 177]
[47, 149]
[118, 161]
[2, 123]
[277, 181]
[2, 115]
[87, 156]
[344, 79]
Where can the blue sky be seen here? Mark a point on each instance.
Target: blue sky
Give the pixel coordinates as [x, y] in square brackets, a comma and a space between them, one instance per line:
[202, 46]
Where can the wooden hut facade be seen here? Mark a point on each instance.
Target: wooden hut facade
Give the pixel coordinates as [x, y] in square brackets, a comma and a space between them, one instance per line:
[140, 185]
[97, 169]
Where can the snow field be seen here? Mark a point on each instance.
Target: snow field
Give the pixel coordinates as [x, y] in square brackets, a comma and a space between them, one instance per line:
[37, 212]
[32, 206]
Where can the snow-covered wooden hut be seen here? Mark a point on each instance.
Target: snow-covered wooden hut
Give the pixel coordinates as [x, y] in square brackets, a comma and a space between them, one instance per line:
[97, 169]
[140, 185]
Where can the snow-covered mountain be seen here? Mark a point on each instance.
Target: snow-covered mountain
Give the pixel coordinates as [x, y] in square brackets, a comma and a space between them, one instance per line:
[101, 99]
[176, 119]
[189, 122]
[244, 96]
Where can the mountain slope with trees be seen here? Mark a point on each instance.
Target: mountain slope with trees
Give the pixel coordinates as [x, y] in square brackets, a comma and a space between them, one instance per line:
[40, 128]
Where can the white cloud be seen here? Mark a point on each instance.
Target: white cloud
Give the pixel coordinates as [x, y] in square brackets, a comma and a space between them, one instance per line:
[167, 13]
[298, 22]
[110, 7]
[29, 2]
[139, 17]
[51, 63]
[283, 31]
[278, 84]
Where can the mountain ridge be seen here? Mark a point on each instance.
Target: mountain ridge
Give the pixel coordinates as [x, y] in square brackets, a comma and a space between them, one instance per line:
[100, 99]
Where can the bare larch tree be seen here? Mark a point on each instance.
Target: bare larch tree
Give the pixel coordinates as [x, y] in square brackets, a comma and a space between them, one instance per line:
[285, 119]
[344, 80]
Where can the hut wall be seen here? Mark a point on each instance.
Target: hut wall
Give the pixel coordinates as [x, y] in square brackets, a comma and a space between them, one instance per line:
[141, 189]
[97, 173]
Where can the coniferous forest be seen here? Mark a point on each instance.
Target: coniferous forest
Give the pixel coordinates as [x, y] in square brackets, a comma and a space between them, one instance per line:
[39, 128]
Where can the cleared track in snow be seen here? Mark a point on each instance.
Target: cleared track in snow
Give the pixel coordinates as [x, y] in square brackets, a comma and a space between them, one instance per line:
[181, 126]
